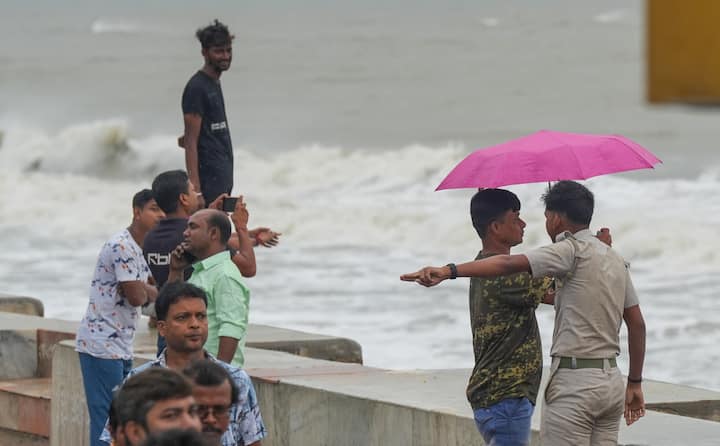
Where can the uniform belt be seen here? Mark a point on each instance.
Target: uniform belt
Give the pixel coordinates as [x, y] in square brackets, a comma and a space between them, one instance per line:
[580, 363]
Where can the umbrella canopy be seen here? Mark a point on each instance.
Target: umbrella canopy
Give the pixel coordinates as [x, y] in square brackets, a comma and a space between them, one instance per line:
[548, 156]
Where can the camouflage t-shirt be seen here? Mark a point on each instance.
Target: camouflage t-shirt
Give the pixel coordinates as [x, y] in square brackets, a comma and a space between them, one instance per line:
[506, 339]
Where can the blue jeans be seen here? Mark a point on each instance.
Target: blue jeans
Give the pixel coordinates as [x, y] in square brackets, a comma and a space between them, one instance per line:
[100, 377]
[506, 423]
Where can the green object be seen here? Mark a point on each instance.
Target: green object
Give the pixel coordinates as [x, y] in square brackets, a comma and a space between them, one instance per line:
[228, 302]
[580, 363]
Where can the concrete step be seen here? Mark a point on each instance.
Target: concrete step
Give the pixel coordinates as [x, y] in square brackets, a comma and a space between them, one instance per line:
[25, 407]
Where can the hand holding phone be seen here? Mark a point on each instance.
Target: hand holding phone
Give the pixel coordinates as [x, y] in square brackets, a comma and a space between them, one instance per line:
[229, 203]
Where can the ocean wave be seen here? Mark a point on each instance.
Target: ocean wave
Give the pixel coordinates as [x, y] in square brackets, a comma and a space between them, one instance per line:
[334, 198]
[100, 149]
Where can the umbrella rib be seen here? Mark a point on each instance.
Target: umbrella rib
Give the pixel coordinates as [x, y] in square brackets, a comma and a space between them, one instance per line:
[569, 148]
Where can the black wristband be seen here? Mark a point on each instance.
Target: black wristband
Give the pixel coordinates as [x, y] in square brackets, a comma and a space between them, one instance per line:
[453, 270]
[634, 381]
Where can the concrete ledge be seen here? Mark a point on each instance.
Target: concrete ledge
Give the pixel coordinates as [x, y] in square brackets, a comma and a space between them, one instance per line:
[307, 401]
[21, 305]
[704, 409]
[300, 343]
[18, 354]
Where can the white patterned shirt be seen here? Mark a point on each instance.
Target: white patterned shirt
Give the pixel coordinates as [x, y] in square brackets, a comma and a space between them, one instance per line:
[108, 327]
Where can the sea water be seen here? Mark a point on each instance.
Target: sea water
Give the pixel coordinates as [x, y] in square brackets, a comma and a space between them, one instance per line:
[345, 116]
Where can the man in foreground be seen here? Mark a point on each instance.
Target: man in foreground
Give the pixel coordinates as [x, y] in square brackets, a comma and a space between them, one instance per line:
[504, 384]
[182, 320]
[215, 392]
[119, 287]
[584, 397]
[150, 402]
[176, 437]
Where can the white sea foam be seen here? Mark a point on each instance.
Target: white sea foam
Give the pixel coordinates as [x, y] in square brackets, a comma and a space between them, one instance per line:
[353, 221]
[113, 25]
[613, 16]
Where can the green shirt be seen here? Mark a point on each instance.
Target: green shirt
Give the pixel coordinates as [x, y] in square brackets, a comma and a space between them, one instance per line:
[228, 302]
[506, 339]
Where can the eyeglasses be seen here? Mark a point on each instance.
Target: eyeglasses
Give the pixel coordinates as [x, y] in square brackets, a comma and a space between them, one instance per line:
[217, 411]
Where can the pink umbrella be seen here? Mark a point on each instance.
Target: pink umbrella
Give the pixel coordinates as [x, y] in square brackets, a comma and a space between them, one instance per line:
[548, 156]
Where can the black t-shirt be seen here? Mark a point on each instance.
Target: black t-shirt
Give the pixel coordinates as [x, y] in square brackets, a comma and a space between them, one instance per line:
[158, 245]
[203, 96]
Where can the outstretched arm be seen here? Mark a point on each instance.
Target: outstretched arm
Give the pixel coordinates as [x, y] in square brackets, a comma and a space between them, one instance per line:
[494, 266]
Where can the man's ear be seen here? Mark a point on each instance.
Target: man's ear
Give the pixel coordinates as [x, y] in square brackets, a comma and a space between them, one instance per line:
[493, 227]
[183, 198]
[134, 433]
[161, 328]
[136, 213]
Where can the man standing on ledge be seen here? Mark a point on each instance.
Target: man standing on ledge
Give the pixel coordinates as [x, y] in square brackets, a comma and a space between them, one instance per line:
[208, 148]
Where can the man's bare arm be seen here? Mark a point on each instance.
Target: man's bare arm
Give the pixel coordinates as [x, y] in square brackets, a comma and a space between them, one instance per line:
[138, 292]
[244, 258]
[494, 266]
[226, 349]
[193, 123]
[636, 340]
[634, 399]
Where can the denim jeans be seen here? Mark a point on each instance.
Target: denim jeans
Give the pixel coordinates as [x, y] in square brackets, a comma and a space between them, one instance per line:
[506, 423]
[100, 377]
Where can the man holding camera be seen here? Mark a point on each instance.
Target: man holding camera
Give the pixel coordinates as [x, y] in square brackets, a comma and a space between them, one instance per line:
[205, 247]
[177, 197]
[175, 194]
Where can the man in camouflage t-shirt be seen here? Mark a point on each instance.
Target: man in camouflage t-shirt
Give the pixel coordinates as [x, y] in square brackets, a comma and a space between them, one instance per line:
[506, 340]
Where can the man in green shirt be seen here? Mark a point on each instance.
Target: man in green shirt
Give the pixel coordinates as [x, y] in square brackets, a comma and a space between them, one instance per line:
[504, 384]
[206, 237]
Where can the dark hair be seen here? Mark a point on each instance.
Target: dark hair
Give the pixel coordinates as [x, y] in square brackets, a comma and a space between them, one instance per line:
[140, 393]
[215, 34]
[572, 199]
[142, 198]
[176, 437]
[209, 373]
[172, 292]
[168, 186]
[221, 221]
[489, 205]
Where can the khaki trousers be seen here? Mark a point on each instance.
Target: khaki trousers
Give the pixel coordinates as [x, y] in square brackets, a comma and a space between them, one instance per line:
[582, 407]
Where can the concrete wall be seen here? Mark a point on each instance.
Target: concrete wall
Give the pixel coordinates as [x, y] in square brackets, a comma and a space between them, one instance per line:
[316, 402]
[309, 401]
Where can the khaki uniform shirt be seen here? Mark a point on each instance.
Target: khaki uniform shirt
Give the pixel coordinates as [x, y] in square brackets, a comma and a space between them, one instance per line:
[593, 289]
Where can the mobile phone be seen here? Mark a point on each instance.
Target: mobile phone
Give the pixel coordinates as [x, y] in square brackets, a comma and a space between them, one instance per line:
[228, 204]
[189, 257]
